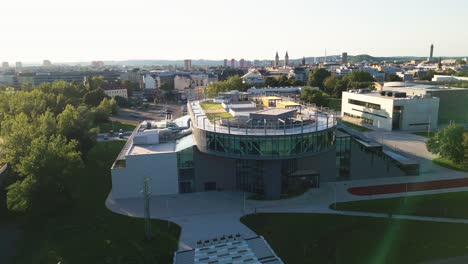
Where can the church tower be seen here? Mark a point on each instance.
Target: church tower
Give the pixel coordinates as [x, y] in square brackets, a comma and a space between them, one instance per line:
[286, 59]
[303, 61]
[276, 64]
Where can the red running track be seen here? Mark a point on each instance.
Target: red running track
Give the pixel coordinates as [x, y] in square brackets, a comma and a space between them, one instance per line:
[412, 187]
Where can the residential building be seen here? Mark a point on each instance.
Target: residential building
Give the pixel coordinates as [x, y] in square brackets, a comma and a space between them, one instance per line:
[225, 63]
[253, 78]
[5, 64]
[344, 58]
[188, 65]
[46, 63]
[390, 110]
[116, 92]
[18, 65]
[97, 64]
[233, 63]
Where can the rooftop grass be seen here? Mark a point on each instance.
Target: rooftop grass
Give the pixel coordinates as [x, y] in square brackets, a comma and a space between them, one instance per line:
[88, 232]
[207, 105]
[450, 205]
[324, 238]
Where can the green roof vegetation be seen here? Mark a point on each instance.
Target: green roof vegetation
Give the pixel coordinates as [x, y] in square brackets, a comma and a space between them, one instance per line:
[207, 105]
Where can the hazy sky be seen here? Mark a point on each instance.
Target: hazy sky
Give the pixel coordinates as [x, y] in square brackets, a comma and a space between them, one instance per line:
[84, 30]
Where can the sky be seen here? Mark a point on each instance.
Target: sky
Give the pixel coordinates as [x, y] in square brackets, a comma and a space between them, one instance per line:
[85, 30]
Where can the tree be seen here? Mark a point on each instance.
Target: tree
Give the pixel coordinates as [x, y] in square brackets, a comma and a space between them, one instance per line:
[103, 111]
[271, 82]
[45, 176]
[329, 84]
[95, 82]
[360, 76]
[317, 76]
[448, 143]
[313, 96]
[393, 78]
[94, 97]
[283, 80]
[426, 76]
[121, 101]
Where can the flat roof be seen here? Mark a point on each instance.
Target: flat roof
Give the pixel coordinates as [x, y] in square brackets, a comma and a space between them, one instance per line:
[274, 111]
[151, 149]
[273, 98]
[289, 103]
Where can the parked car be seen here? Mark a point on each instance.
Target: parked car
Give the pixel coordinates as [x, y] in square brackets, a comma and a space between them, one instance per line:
[121, 135]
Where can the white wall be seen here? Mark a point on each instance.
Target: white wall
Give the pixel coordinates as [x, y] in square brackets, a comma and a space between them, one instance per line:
[383, 121]
[162, 168]
[150, 82]
[415, 111]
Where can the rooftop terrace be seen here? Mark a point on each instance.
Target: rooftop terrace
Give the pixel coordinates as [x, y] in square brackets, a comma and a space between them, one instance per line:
[305, 120]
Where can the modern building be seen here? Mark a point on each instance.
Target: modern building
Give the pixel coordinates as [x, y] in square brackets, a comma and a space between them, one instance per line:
[431, 53]
[344, 58]
[242, 63]
[253, 78]
[188, 65]
[452, 101]
[97, 64]
[390, 110]
[271, 146]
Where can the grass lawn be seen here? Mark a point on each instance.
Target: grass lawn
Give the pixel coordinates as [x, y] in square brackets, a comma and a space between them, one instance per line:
[207, 105]
[449, 164]
[452, 205]
[88, 232]
[424, 134]
[116, 126]
[321, 238]
[356, 127]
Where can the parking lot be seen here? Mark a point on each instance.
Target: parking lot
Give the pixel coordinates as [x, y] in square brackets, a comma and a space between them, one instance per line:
[135, 115]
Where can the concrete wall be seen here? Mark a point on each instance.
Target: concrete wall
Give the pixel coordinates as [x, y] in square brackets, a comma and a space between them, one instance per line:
[211, 168]
[382, 118]
[419, 111]
[415, 111]
[162, 168]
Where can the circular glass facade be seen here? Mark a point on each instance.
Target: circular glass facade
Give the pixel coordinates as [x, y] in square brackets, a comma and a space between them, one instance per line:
[281, 146]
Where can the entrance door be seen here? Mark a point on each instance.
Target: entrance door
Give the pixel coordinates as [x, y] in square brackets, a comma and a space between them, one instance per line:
[185, 186]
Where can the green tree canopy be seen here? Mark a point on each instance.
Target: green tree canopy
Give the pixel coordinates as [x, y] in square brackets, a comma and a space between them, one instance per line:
[449, 143]
[317, 77]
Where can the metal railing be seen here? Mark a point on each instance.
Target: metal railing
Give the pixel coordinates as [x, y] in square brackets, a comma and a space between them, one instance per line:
[315, 121]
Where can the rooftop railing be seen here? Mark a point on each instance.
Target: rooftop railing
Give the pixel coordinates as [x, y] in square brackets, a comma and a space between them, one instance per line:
[312, 120]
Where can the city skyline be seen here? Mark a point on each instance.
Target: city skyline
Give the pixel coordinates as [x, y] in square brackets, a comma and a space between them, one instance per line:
[89, 30]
